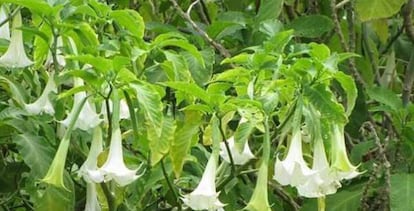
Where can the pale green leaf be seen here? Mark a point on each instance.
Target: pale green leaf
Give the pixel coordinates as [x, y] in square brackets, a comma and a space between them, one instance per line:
[374, 9]
[385, 96]
[149, 101]
[269, 9]
[160, 144]
[243, 131]
[36, 152]
[349, 86]
[311, 26]
[323, 101]
[191, 89]
[402, 191]
[131, 20]
[183, 138]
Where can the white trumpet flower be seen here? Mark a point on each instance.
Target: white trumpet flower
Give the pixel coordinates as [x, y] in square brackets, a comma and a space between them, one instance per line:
[293, 170]
[4, 30]
[43, 104]
[92, 203]
[239, 158]
[88, 118]
[89, 170]
[340, 163]
[205, 197]
[114, 167]
[15, 55]
[323, 182]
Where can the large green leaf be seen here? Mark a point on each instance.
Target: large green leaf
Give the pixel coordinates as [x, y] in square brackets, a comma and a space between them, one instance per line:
[36, 152]
[183, 139]
[348, 84]
[323, 101]
[38, 6]
[58, 198]
[269, 9]
[346, 199]
[402, 192]
[101, 64]
[385, 96]
[375, 9]
[184, 44]
[149, 101]
[242, 133]
[191, 89]
[302, 25]
[160, 144]
[131, 20]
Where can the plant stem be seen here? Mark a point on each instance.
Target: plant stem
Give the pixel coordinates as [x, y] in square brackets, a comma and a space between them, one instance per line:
[164, 172]
[321, 203]
[110, 198]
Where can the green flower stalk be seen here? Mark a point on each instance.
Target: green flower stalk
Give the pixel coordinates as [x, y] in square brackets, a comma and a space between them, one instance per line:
[259, 200]
[54, 175]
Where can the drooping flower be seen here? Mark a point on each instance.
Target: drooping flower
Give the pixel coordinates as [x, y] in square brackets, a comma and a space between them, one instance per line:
[15, 55]
[293, 170]
[88, 118]
[239, 158]
[54, 175]
[92, 203]
[89, 170]
[205, 197]
[323, 182]
[114, 167]
[259, 200]
[341, 165]
[4, 29]
[43, 104]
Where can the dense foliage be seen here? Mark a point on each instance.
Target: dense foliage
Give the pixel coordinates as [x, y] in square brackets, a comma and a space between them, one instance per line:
[206, 105]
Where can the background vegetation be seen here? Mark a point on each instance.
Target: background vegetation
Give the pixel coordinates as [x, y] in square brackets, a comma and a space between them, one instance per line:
[180, 65]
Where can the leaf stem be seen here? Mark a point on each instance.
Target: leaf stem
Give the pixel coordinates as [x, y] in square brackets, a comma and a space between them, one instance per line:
[164, 172]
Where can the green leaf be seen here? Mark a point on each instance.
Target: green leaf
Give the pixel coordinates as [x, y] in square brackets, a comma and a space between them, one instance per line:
[57, 198]
[242, 133]
[402, 191]
[269, 9]
[278, 42]
[200, 74]
[311, 26]
[346, 199]
[184, 44]
[348, 84]
[36, 153]
[16, 90]
[183, 138]
[191, 89]
[160, 144]
[37, 6]
[385, 96]
[149, 101]
[131, 20]
[323, 101]
[101, 64]
[375, 9]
